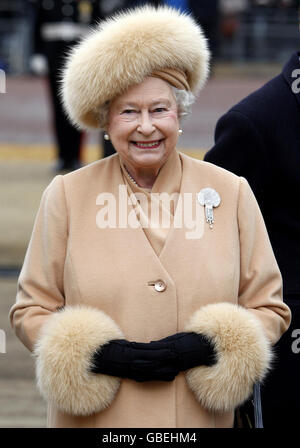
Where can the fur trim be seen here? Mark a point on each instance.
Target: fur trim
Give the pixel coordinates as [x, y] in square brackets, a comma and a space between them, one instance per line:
[63, 355]
[125, 49]
[243, 353]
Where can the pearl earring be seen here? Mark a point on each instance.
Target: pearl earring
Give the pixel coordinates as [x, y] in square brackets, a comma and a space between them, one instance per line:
[106, 136]
[180, 131]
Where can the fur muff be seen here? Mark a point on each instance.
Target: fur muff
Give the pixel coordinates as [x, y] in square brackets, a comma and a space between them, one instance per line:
[125, 49]
[63, 358]
[243, 356]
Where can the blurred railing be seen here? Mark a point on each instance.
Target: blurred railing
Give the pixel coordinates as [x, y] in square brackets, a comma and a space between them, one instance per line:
[268, 35]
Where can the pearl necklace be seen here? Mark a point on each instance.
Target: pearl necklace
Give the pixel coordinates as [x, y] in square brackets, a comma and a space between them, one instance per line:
[130, 177]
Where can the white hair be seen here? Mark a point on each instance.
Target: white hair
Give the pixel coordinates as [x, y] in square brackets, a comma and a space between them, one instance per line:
[184, 100]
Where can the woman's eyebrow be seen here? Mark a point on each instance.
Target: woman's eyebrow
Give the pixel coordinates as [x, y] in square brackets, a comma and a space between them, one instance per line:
[136, 104]
[159, 101]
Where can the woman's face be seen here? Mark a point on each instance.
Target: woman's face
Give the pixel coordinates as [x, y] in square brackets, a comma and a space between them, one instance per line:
[143, 124]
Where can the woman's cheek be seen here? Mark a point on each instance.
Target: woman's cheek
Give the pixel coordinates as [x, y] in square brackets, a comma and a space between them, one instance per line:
[169, 121]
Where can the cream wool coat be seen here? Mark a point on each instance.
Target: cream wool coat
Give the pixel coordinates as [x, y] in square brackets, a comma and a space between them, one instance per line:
[110, 273]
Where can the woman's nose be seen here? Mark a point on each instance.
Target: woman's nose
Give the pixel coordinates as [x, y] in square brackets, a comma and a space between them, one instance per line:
[146, 125]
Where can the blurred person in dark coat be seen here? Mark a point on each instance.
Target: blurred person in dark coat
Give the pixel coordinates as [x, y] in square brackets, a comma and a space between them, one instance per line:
[259, 138]
[58, 26]
[206, 12]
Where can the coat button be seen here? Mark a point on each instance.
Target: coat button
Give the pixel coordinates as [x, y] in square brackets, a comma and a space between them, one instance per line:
[159, 285]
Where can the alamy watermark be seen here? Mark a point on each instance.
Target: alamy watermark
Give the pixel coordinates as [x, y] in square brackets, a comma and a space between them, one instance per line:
[2, 341]
[296, 342]
[151, 211]
[2, 81]
[296, 83]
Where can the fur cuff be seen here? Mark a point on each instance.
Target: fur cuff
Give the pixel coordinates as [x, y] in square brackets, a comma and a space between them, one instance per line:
[63, 356]
[243, 356]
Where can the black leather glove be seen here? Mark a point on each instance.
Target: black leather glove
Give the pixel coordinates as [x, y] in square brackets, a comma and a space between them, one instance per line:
[192, 350]
[135, 360]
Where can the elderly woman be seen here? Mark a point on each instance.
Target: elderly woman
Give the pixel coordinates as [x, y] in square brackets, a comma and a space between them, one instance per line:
[149, 294]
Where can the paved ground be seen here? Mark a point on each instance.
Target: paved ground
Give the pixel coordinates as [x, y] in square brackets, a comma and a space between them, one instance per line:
[26, 158]
[20, 402]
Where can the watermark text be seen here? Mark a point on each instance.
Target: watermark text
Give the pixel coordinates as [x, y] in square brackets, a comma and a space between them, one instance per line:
[2, 341]
[2, 81]
[156, 211]
[296, 342]
[296, 83]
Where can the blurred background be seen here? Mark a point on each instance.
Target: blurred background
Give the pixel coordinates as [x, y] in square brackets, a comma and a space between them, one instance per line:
[250, 41]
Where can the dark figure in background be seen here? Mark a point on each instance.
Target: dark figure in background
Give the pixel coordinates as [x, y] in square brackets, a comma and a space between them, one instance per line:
[259, 138]
[206, 12]
[58, 26]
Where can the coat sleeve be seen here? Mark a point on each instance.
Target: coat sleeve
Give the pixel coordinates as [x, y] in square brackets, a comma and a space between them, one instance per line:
[242, 333]
[260, 279]
[40, 285]
[62, 338]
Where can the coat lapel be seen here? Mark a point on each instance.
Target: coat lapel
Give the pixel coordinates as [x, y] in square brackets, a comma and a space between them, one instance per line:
[189, 215]
[135, 235]
[154, 209]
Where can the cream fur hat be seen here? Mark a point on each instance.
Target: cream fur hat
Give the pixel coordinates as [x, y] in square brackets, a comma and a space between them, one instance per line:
[123, 50]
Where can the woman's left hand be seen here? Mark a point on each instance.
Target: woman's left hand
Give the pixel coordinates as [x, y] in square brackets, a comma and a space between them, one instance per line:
[191, 349]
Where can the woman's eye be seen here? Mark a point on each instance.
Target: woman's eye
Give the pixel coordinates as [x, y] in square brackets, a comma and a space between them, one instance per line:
[128, 111]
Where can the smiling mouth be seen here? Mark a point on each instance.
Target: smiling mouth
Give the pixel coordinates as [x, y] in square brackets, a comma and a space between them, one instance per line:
[154, 144]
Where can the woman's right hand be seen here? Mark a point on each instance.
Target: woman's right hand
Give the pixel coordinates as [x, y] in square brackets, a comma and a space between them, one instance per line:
[153, 361]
